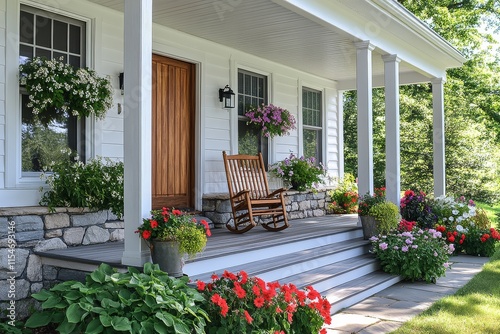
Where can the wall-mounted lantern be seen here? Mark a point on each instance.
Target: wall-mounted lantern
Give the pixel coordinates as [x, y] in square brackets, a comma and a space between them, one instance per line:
[226, 95]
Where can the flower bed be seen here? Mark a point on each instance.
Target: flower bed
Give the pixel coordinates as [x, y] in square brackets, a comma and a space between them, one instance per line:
[236, 303]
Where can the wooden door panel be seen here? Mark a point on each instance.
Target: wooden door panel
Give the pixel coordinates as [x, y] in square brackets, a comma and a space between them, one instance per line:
[173, 133]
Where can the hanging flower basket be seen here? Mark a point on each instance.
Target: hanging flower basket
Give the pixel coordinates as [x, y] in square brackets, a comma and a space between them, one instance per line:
[57, 90]
[273, 120]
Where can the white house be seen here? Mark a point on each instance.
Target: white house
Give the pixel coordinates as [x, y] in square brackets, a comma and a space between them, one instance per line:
[177, 54]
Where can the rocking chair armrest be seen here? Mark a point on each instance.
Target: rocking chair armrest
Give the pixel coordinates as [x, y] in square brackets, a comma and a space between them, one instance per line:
[276, 192]
[241, 193]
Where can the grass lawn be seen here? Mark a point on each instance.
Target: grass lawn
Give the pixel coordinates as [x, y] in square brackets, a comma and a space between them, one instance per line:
[475, 308]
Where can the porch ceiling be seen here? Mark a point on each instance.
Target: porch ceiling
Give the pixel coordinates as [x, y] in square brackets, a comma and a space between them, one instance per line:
[269, 30]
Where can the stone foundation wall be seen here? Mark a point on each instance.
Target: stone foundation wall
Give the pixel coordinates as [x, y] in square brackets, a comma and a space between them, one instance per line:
[26, 230]
[299, 204]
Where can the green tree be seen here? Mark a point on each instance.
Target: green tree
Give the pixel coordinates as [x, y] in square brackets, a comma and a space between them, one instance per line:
[472, 108]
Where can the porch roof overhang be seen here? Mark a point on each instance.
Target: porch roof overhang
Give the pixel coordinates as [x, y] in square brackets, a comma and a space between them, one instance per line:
[314, 36]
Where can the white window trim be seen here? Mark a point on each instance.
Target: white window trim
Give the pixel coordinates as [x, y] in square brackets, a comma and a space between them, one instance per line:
[300, 124]
[13, 172]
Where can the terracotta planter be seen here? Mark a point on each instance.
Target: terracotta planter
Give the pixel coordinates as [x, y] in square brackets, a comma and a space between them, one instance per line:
[369, 225]
[166, 255]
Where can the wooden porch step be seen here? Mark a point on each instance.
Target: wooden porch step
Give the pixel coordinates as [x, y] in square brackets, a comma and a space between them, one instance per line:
[354, 291]
[325, 252]
[276, 267]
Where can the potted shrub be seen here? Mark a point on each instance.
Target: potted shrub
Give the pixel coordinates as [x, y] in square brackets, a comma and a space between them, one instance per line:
[386, 216]
[365, 203]
[171, 235]
[301, 173]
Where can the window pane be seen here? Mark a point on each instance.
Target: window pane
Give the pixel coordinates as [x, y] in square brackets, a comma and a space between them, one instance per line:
[43, 31]
[43, 53]
[248, 85]
[25, 52]
[312, 144]
[75, 39]
[75, 61]
[40, 144]
[58, 55]
[248, 139]
[312, 122]
[60, 36]
[26, 27]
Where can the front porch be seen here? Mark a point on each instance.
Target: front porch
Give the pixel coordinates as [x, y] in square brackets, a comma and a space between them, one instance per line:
[327, 252]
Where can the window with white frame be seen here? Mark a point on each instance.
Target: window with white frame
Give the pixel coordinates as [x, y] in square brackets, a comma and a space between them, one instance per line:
[312, 123]
[45, 34]
[252, 92]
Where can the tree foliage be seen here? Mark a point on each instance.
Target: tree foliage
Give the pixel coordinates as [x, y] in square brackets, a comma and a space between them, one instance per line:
[472, 107]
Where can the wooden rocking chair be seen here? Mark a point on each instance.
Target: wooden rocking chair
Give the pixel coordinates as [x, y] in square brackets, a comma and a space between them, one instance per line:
[249, 194]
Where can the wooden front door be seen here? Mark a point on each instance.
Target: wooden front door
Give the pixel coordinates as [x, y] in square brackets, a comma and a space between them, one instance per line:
[173, 133]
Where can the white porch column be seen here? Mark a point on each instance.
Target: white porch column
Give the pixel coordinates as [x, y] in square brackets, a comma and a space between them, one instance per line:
[392, 147]
[365, 118]
[438, 136]
[137, 125]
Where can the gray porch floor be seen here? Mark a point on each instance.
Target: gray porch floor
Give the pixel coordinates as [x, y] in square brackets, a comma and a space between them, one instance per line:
[221, 242]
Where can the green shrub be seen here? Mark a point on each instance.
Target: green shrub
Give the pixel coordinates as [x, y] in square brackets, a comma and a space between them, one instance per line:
[367, 201]
[97, 185]
[111, 302]
[481, 219]
[387, 216]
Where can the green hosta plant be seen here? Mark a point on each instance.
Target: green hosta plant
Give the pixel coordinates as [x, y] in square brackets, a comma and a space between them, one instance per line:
[414, 255]
[97, 184]
[386, 214]
[132, 302]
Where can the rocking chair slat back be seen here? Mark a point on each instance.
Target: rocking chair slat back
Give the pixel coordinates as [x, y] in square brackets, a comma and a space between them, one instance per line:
[247, 172]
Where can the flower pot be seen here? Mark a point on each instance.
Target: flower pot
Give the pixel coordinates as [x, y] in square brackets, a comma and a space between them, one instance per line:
[369, 225]
[166, 255]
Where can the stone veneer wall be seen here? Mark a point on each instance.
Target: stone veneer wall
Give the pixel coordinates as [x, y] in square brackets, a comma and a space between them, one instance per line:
[35, 230]
[299, 204]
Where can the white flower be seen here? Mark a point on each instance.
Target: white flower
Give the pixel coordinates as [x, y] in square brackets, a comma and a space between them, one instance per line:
[451, 219]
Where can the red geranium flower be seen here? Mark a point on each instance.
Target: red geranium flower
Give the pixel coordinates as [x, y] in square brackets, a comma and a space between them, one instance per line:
[259, 302]
[146, 234]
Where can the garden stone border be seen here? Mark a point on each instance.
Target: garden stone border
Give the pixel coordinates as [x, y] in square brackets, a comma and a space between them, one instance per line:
[38, 230]
[299, 204]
